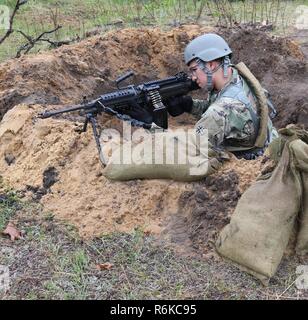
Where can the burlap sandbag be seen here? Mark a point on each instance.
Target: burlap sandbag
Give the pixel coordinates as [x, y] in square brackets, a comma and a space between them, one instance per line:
[299, 147]
[261, 225]
[302, 238]
[172, 156]
[300, 150]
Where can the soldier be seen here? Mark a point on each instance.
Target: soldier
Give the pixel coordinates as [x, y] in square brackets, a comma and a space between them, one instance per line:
[230, 111]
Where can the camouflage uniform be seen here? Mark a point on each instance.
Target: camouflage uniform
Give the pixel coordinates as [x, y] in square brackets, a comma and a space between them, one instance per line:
[230, 116]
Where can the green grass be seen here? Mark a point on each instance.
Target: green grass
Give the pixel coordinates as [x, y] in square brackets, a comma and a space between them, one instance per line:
[9, 204]
[79, 16]
[52, 262]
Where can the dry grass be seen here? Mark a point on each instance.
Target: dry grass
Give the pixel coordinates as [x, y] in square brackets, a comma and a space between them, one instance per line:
[81, 18]
[52, 262]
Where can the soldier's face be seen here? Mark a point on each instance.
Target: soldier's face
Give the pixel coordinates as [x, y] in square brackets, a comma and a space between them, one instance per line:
[197, 74]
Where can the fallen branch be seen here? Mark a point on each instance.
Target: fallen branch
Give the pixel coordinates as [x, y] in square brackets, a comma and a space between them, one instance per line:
[32, 41]
[10, 29]
[56, 44]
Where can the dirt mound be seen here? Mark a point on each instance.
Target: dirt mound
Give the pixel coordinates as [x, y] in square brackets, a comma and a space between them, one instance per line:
[205, 209]
[67, 74]
[89, 68]
[52, 163]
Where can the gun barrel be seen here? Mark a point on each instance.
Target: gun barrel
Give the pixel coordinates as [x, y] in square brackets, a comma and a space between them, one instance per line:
[48, 114]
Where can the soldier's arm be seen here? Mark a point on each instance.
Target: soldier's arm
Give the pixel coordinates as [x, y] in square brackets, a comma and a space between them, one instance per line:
[227, 119]
[199, 107]
[214, 123]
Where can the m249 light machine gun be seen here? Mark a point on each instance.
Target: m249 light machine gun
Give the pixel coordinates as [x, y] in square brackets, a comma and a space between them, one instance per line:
[147, 97]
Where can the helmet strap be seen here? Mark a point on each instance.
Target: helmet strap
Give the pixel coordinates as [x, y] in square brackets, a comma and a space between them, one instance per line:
[209, 75]
[226, 64]
[208, 72]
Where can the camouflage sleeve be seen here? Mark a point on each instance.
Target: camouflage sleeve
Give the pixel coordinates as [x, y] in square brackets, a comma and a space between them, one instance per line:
[227, 121]
[214, 124]
[199, 107]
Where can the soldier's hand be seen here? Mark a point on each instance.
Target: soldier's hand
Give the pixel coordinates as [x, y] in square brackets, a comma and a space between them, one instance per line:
[179, 105]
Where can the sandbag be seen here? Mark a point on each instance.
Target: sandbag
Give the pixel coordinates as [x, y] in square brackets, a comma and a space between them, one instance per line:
[298, 145]
[302, 238]
[182, 157]
[263, 220]
[300, 150]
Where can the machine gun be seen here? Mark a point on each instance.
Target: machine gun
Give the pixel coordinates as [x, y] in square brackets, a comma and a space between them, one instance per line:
[149, 96]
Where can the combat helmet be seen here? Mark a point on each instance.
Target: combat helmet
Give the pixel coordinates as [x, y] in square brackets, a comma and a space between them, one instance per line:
[205, 48]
